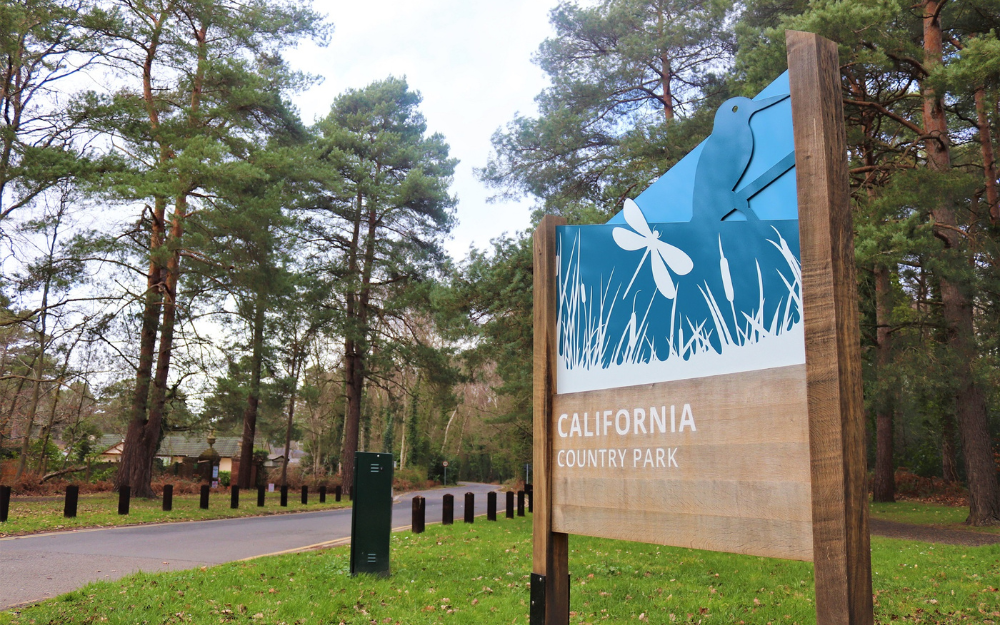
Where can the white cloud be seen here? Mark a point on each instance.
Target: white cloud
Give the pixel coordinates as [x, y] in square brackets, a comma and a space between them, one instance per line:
[471, 61]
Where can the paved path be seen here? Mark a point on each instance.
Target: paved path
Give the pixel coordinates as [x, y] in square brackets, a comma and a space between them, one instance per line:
[41, 566]
[931, 534]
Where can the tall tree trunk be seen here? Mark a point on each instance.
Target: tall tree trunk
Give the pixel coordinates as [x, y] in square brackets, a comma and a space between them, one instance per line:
[36, 389]
[29, 420]
[980, 467]
[354, 379]
[989, 162]
[355, 346]
[135, 448]
[12, 411]
[666, 73]
[949, 454]
[291, 413]
[884, 489]
[141, 474]
[76, 424]
[253, 397]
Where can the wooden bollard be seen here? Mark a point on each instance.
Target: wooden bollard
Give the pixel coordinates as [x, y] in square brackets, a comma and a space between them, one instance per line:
[322, 493]
[284, 495]
[448, 510]
[4, 503]
[419, 511]
[520, 503]
[336, 493]
[305, 495]
[491, 506]
[203, 504]
[168, 497]
[510, 504]
[261, 495]
[234, 497]
[470, 507]
[124, 498]
[72, 498]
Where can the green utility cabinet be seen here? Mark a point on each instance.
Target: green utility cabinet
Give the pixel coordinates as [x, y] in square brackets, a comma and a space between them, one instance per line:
[371, 519]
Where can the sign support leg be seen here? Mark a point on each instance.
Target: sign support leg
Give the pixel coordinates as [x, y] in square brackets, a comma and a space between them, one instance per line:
[841, 546]
[550, 556]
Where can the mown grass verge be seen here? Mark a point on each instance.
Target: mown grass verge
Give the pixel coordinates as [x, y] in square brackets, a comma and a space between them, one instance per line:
[479, 574]
[918, 513]
[33, 516]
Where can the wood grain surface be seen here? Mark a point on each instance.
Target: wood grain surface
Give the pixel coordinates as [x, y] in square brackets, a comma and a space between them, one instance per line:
[550, 550]
[737, 481]
[833, 355]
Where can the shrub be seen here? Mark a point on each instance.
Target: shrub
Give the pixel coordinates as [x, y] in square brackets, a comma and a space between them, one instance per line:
[224, 477]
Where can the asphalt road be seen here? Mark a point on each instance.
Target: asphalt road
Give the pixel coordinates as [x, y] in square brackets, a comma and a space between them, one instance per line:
[37, 567]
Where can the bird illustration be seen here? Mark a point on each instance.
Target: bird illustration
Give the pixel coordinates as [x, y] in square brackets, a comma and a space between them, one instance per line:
[725, 158]
[662, 254]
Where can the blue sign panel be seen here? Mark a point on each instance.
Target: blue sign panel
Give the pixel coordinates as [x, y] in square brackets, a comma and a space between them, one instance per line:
[700, 274]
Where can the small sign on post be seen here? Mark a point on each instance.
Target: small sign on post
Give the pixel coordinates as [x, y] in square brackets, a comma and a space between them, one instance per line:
[697, 371]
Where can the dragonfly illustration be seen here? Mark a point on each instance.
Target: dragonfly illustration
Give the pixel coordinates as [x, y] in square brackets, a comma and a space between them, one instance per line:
[663, 255]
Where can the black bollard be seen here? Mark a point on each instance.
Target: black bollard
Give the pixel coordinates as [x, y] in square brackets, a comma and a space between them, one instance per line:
[322, 493]
[204, 497]
[124, 497]
[72, 497]
[4, 503]
[305, 495]
[470, 507]
[234, 497]
[336, 492]
[531, 499]
[448, 510]
[419, 508]
[491, 506]
[510, 504]
[284, 495]
[520, 503]
[168, 497]
[261, 494]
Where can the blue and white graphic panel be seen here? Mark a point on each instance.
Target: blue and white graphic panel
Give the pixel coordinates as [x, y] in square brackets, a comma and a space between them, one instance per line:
[700, 274]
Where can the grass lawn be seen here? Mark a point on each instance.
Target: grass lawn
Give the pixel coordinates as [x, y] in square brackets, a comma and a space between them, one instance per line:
[479, 574]
[28, 517]
[952, 517]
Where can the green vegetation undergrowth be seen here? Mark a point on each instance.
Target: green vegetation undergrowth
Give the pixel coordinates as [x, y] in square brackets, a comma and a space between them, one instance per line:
[32, 516]
[918, 513]
[480, 574]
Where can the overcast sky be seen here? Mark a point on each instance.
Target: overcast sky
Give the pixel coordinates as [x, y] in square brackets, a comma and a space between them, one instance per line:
[471, 61]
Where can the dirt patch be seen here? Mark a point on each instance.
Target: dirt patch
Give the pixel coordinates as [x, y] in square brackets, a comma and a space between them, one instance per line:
[931, 534]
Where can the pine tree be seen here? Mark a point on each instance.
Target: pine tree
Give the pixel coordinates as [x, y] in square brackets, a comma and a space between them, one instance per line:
[382, 207]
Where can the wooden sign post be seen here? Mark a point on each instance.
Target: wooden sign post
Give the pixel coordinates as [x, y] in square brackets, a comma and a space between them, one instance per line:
[712, 406]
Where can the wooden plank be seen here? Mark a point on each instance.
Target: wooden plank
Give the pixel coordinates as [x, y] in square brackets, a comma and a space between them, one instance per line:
[761, 537]
[833, 361]
[550, 551]
[720, 462]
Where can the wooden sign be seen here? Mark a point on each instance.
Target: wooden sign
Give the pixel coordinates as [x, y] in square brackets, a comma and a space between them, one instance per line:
[697, 369]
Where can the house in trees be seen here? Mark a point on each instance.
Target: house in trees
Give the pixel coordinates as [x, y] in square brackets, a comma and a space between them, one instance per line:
[182, 452]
